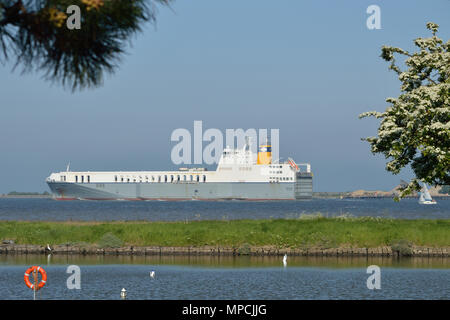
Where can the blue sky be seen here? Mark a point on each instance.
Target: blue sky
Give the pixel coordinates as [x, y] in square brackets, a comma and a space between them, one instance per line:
[307, 68]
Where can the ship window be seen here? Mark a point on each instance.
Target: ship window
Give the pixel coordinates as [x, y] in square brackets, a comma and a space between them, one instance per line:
[198, 178]
[128, 179]
[89, 179]
[115, 178]
[165, 178]
[159, 178]
[204, 178]
[171, 178]
[178, 178]
[153, 178]
[184, 178]
[121, 179]
[192, 178]
[82, 179]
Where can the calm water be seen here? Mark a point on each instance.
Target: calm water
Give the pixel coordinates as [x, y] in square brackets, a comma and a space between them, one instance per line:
[229, 278]
[48, 209]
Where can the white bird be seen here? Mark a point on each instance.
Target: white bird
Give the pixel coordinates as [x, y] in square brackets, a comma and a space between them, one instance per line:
[285, 260]
[48, 248]
[152, 274]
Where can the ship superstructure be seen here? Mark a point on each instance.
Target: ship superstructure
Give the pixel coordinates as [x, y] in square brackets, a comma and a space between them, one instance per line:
[240, 174]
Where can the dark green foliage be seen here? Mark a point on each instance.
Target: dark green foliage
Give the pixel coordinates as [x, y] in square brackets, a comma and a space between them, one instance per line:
[403, 247]
[244, 249]
[35, 33]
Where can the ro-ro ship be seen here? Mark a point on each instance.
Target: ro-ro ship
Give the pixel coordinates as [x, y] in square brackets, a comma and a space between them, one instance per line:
[240, 174]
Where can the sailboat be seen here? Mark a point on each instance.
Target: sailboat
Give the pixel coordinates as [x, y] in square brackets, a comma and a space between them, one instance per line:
[425, 197]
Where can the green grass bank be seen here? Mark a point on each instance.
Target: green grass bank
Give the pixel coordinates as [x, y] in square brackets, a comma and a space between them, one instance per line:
[284, 233]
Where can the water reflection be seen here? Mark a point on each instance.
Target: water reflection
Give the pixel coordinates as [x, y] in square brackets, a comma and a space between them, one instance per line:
[227, 261]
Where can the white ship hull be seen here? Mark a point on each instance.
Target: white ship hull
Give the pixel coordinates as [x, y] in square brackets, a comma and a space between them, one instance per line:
[177, 192]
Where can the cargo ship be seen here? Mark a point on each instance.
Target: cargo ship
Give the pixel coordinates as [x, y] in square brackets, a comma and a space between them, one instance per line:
[240, 175]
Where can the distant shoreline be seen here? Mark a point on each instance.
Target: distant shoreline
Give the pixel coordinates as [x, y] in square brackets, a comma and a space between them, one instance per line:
[316, 195]
[26, 196]
[321, 196]
[443, 196]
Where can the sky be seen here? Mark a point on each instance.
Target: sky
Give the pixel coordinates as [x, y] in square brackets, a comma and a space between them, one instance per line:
[307, 68]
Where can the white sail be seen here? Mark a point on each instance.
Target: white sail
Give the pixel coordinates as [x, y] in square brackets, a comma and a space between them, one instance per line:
[421, 198]
[425, 197]
[427, 193]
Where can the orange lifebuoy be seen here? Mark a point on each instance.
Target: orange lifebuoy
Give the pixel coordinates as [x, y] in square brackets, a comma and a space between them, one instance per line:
[26, 277]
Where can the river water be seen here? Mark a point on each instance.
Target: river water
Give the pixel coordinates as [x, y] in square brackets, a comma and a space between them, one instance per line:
[181, 277]
[51, 210]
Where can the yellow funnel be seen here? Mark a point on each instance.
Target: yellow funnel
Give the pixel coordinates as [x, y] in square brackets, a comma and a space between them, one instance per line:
[264, 154]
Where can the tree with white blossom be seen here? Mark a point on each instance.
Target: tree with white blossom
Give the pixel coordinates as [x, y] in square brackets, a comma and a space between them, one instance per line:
[415, 127]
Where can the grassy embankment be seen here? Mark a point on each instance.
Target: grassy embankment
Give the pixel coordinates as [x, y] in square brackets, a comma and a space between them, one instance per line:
[283, 233]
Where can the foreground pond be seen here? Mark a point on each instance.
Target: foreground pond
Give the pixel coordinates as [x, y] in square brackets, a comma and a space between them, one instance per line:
[180, 277]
